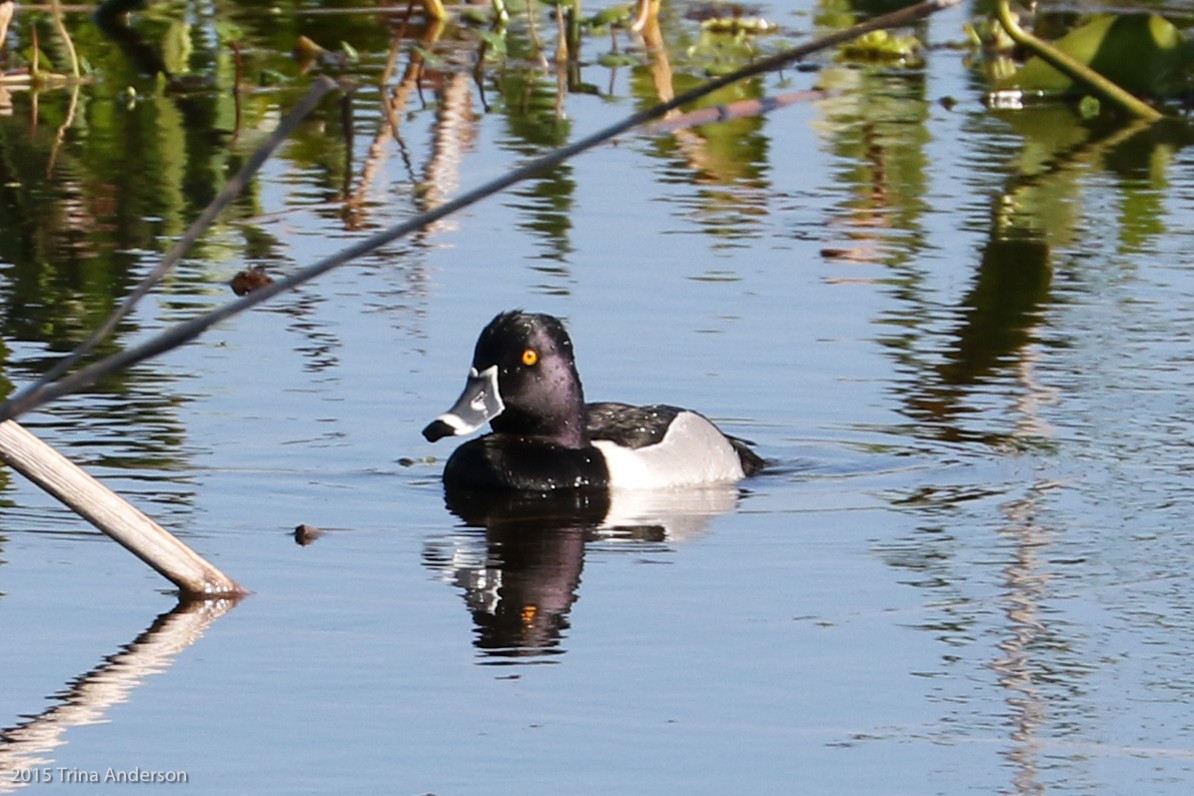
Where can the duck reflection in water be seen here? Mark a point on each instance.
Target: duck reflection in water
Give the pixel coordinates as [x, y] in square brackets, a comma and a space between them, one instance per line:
[519, 561]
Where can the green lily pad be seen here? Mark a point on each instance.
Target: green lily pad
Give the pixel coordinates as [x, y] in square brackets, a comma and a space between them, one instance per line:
[614, 60]
[614, 15]
[1143, 54]
[882, 45]
[755, 25]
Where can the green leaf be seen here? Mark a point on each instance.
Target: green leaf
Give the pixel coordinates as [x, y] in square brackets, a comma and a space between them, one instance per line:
[495, 41]
[471, 15]
[43, 61]
[272, 77]
[229, 31]
[880, 45]
[610, 16]
[613, 60]
[1143, 54]
[430, 59]
[176, 47]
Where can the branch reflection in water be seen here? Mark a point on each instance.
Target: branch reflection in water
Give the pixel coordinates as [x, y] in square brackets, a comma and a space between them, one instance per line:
[521, 576]
[27, 746]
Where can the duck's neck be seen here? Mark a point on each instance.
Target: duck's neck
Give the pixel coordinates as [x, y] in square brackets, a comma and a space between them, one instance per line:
[566, 430]
[560, 418]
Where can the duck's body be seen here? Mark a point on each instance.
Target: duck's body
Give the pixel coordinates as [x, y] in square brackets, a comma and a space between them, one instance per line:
[545, 437]
[661, 446]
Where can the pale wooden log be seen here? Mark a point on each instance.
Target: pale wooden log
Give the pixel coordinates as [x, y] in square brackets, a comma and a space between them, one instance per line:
[107, 511]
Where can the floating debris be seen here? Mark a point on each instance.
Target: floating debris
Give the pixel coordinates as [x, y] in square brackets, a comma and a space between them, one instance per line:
[706, 12]
[306, 534]
[249, 280]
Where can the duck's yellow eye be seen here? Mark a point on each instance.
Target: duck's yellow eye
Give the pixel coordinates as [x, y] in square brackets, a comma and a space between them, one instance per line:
[530, 357]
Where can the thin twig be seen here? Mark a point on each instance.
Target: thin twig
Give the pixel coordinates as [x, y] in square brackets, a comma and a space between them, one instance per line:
[237, 77]
[60, 136]
[533, 34]
[189, 330]
[60, 26]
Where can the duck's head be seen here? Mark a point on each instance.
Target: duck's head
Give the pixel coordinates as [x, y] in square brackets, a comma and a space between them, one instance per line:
[523, 382]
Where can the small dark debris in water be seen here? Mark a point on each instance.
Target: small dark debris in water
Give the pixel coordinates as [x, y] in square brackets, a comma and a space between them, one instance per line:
[308, 53]
[249, 280]
[306, 534]
[837, 253]
[190, 84]
[947, 102]
[706, 11]
[860, 255]
[407, 461]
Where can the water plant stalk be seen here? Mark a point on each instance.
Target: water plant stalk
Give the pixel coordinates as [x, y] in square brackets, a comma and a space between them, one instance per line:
[60, 26]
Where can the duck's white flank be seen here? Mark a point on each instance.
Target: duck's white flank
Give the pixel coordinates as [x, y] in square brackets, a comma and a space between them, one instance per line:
[691, 453]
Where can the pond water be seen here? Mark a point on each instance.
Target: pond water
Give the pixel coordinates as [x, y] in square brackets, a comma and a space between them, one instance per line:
[962, 336]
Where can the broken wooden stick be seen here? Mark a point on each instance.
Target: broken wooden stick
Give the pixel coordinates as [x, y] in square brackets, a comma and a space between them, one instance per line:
[103, 508]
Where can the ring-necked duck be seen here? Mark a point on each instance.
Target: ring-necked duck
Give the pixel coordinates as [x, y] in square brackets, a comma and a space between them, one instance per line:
[545, 437]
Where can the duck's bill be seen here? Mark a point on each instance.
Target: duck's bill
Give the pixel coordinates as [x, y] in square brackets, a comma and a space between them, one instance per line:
[477, 405]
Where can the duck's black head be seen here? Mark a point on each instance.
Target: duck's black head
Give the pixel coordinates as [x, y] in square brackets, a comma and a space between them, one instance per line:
[523, 381]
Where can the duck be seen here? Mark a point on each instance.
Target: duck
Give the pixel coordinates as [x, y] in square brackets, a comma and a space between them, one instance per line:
[544, 437]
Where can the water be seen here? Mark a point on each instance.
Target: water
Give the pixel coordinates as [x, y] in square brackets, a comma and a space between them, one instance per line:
[962, 337]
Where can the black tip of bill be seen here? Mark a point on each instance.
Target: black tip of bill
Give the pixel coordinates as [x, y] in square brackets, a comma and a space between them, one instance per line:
[437, 429]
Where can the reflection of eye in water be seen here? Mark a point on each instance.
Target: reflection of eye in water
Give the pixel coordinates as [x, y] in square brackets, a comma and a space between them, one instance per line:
[520, 576]
[538, 572]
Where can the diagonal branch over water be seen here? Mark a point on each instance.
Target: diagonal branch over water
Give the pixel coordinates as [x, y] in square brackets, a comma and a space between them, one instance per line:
[57, 385]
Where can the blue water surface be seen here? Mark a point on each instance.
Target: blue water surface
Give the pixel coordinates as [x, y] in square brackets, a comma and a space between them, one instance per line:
[963, 347]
